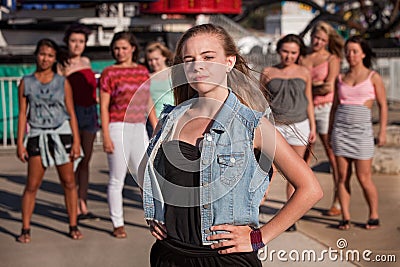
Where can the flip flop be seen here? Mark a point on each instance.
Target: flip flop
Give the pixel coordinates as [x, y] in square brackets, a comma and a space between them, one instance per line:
[74, 233]
[344, 225]
[25, 236]
[372, 224]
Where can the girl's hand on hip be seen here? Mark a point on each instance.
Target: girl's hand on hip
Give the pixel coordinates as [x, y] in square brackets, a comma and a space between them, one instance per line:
[158, 230]
[236, 239]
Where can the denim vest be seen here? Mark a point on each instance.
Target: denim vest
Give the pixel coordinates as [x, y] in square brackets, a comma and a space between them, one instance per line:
[232, 183]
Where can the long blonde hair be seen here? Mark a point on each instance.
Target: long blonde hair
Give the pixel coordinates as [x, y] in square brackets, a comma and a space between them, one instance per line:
[336, 42]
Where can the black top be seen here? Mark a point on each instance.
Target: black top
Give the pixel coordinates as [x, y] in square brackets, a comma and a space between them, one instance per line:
[183, 246]
[181, 162]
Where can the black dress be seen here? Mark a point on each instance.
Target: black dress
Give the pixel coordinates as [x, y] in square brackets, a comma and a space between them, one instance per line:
[183, 246]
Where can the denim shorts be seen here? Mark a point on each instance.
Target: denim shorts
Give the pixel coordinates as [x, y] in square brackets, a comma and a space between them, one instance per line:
[87, 118]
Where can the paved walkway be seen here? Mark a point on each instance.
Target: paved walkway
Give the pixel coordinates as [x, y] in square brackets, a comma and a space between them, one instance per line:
[50, 245]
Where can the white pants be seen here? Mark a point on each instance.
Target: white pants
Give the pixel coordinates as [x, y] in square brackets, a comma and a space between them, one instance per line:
[130, 142]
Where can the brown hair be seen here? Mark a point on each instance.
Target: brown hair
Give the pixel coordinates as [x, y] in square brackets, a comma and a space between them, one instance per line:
[292, 38]
[128, 36]
[184, 92]
[165, 52]
[77, 28]
[369, 54]
[49, 43]
[336, 42]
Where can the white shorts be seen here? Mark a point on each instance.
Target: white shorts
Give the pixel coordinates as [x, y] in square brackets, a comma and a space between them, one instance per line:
[296, 134]
[322, 113]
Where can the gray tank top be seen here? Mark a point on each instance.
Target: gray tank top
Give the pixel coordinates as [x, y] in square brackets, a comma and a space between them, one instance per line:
[46, 102]
[288, 99]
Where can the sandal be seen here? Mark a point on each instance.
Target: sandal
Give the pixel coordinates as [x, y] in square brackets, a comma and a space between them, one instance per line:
[372, 224]
[74, 233]
[344, 225]
[119, 232]
[333, 211]
[25, 236]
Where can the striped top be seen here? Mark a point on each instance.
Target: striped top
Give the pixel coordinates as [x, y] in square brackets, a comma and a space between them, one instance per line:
[129, 93]
[356, 94]
[319, 73]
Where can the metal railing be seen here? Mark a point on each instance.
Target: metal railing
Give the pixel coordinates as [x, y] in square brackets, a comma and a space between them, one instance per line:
[9, 110]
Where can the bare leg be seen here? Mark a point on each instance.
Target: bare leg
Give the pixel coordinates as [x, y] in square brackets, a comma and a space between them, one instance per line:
[344, 170]
[66, 174]
[332, 162]
[364, 175]
[309, 153]
[82, 172]
[35, 177]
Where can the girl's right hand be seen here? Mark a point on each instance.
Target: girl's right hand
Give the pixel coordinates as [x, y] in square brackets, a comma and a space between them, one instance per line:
[158, 230]
[108, 145]
[22, 154]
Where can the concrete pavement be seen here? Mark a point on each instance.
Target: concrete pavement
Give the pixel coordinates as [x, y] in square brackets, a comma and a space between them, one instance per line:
[50, 245]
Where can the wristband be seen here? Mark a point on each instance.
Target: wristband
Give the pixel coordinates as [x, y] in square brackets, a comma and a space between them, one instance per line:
[256, 240]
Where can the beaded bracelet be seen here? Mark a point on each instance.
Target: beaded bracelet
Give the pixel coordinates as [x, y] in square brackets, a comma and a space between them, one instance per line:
[256, 239]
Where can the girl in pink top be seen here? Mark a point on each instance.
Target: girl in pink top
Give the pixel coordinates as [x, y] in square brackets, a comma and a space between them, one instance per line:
[323, 61]
[125, 104]
[351, 127]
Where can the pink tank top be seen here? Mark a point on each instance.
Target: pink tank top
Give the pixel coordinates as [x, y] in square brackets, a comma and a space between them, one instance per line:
[357, 94]
[320, 73]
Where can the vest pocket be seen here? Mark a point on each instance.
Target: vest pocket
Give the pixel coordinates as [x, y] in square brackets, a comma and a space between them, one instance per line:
[231, 167]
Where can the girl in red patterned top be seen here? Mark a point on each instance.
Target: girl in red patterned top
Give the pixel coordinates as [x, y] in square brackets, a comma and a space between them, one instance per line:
[125, 103]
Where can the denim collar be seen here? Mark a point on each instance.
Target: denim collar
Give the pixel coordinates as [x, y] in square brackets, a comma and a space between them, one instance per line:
[226, 114]
[222, 119]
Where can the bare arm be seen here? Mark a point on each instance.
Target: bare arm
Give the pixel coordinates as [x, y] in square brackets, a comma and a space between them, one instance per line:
[380, 94]
[307, 188]
[292, 166]
[335, 104]
[329, 84]
[152, 114]
[69, 105]
[22, 104]
[310, 108]
[108, 145]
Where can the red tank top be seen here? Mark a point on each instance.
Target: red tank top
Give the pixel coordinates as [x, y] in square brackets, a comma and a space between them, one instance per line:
[84, 85]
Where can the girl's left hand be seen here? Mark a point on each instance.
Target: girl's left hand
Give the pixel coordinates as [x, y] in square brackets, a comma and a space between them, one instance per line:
[75, 152]
[237, 238]
[312, 137]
